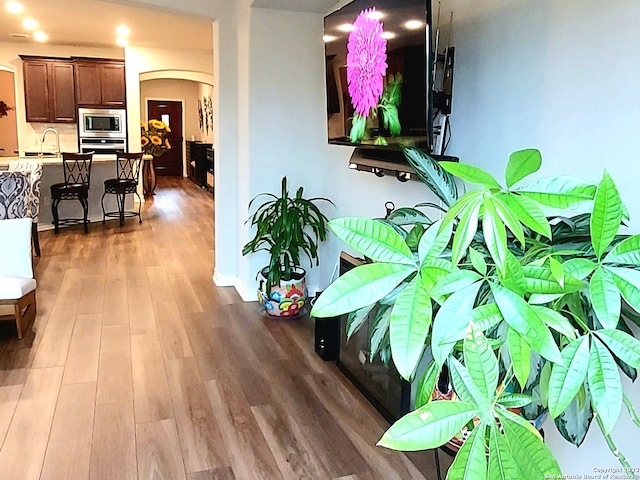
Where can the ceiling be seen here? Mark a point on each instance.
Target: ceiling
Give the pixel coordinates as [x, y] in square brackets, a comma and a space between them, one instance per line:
[92, 23]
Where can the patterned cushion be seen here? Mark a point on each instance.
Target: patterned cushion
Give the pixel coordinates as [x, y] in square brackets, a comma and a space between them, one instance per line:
[34, 170]
[14, 195]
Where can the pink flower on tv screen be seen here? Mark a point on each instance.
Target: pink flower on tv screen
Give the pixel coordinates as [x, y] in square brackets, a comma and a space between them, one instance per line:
[366, 62]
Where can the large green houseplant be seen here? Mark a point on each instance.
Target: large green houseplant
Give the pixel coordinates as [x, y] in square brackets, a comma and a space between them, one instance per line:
[287, 227]
[526, 313]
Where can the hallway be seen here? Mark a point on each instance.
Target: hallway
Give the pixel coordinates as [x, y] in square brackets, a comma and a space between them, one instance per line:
[139, 367]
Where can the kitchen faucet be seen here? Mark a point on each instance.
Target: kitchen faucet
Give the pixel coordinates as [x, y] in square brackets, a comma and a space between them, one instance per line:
[44, 134]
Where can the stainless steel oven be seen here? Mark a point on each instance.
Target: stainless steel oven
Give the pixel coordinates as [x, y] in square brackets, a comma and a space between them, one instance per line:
[103, 145]
[102, 122]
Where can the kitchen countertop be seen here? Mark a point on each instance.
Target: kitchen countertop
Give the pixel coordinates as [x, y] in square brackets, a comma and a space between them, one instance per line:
[57, 160]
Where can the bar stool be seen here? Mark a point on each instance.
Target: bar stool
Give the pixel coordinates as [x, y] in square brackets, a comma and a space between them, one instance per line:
[77, 177]
[128, 173]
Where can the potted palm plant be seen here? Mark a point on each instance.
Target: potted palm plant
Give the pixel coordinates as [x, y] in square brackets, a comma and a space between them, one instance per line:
[287, 227]
[528, 314]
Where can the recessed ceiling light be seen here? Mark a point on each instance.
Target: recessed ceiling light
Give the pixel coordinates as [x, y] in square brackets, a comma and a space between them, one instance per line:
[14, 7]
[40, 37]
[414, 24]
[123, 31]
[346, 27]
[328, 38]
[375, 15]
[122, 41]
[388, 35]
[29, 23]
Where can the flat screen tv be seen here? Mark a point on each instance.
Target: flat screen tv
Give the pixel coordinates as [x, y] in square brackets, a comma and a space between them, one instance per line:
[378, 75]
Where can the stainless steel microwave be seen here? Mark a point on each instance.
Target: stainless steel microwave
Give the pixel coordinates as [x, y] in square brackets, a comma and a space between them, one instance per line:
[102, 122]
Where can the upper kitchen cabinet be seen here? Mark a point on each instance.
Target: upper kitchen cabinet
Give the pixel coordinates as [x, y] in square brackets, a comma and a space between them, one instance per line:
[100, 83]
[49, 89]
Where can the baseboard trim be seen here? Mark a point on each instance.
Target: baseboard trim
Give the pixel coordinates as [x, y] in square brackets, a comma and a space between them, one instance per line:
[223, 280]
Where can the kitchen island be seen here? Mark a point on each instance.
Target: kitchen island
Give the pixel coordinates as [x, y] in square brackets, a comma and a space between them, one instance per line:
[102, 168]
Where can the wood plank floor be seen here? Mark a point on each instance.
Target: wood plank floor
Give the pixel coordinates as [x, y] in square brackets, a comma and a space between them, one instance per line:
[138, 367]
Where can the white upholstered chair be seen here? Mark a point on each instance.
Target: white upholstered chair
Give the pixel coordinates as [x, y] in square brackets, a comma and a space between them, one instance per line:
[17, 285]
[34, 170]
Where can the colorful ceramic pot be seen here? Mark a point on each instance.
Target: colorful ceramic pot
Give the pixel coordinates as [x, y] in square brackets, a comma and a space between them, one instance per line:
[286, 299]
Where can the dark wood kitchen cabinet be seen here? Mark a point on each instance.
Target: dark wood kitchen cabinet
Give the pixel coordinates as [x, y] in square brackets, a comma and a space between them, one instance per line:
[49, 89]
[100, 83]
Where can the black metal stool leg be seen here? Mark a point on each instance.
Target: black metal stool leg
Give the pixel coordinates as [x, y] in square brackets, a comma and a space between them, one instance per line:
[121, 198]
[104, 214]
[54, 213]
[85, 208]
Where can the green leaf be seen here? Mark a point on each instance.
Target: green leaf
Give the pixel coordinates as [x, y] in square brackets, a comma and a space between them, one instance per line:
[515, 400]
[466, 230]
[532, 456]
[427, 384]
[605, 298]
[627, 251]
[559, 192]
[413, 237]
[359, 287]
[485, 316]
[606, 215]
[440, 182]
[522, 318]
[509, 218]
[567, 379]
[481, 362]
[408, 216]
[556, 320]
[628, 282]
[623, 345]
[358, 125]
[540, 280]
[432, 271]
[513, 277]
[579, 268]
[573, 423]
[409, 326]
[455, 281]
[471, 461]
[357, 318]
[454, 316]
[502, 466]
[542, 299]
[465, 387]
[428, 427]
[522, 164]
[605, 385]
[373, 239]
[557, 271]
[528, 212]
[434, 241]
[471, 174]
[495, 235]
[380, 331]
[477, 260]
[520, 353]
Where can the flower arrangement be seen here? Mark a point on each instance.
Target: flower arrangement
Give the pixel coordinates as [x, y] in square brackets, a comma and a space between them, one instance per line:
[153, 137]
